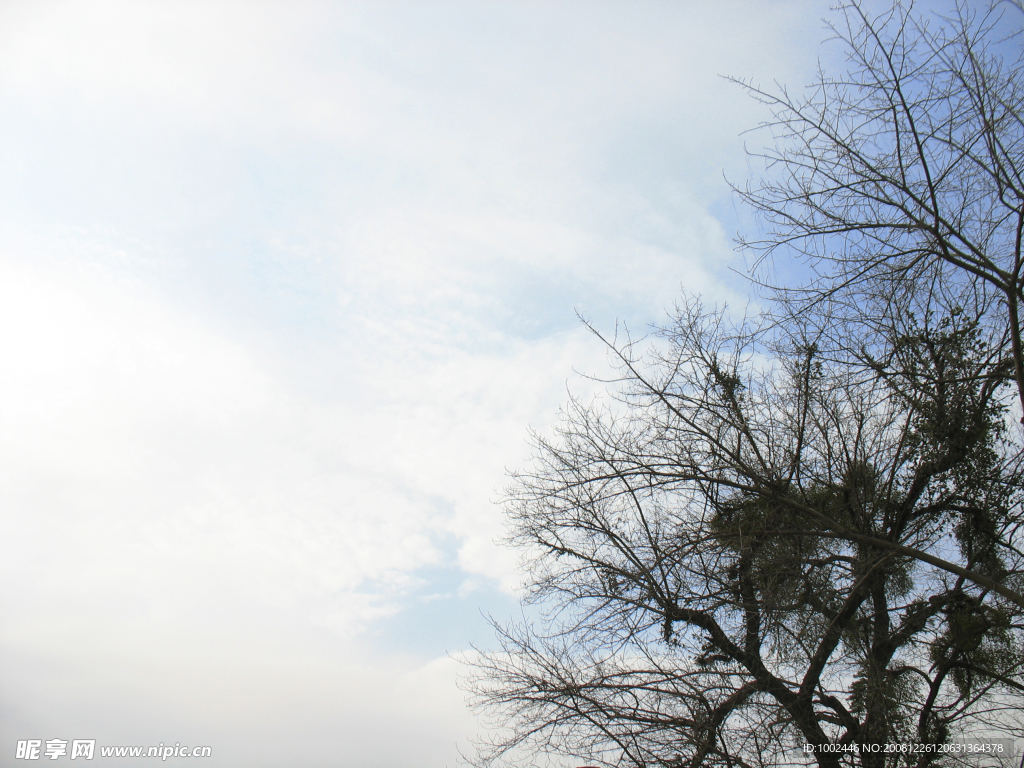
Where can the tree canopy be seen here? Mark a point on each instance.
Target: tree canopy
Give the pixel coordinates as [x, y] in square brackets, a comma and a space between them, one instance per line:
[805, 528]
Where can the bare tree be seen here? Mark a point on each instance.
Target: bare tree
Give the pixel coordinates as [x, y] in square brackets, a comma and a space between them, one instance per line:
[805, 531]
[900, 182]
[751, 549]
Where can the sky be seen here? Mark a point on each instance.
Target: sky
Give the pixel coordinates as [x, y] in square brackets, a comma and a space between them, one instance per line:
[283, 286]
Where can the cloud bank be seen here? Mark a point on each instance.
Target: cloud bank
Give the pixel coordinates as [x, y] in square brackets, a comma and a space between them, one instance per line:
[281, 289]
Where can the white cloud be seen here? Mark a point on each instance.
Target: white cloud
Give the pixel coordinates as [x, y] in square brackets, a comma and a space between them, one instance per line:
[180, 521]
[281, 289]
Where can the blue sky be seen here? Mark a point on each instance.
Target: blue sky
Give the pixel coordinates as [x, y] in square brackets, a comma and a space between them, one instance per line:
[282, 288]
